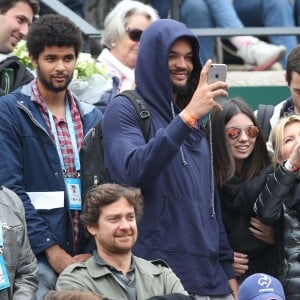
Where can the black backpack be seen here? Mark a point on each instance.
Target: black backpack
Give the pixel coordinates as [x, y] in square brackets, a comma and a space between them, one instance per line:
[91, 154]
[264, 114]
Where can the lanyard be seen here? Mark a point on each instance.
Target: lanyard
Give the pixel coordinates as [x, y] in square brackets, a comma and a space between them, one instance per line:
[72, 136]
[1, 236]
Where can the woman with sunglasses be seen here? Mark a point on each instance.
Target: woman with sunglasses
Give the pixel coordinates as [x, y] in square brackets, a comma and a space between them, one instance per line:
[123, 28]
[241, 165]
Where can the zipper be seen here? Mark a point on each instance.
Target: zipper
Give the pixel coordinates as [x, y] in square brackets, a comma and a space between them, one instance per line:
[6, 80]
[35, 122]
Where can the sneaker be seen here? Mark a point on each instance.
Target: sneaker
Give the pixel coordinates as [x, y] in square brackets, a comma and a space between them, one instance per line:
[259, 56]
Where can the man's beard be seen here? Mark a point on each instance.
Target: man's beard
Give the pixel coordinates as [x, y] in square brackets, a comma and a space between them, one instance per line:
[49, 86]
[180, 90]
[183, 92]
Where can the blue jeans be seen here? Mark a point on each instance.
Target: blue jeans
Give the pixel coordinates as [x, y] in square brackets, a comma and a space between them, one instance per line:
[269, 13]
[75, 5]
[47, 279]
[297, 12]
[162, 7]
[208, 14]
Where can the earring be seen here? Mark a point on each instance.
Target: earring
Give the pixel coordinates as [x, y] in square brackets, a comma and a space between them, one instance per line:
[113, 44]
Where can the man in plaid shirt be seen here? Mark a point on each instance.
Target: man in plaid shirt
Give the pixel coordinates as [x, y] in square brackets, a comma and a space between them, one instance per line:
[41, 131]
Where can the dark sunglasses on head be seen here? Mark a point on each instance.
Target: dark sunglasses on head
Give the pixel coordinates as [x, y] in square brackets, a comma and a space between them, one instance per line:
[233, 133]
[134, 34]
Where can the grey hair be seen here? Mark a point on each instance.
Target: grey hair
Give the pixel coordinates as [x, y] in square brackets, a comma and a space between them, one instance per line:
[116, 21]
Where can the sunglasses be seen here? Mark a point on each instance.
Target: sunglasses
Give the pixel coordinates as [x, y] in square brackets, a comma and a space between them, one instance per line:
[134, 34]
[233, 133]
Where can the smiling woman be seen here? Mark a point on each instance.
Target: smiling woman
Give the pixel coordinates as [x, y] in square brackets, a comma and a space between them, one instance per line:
[123, 28]
[241, 165]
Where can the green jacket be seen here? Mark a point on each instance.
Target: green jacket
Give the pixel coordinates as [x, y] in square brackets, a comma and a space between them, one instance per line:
[152, 278]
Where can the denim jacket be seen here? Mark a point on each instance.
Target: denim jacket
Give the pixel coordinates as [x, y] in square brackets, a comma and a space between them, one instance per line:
[30, 163]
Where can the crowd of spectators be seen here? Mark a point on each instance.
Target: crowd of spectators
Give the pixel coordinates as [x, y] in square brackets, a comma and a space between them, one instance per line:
[207, 208]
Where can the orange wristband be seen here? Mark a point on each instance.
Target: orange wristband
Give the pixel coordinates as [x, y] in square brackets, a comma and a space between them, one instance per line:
[189, 119]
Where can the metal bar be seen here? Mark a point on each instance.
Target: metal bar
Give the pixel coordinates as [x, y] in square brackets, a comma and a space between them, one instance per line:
[256, 31]
[87, 29]
[174, 10]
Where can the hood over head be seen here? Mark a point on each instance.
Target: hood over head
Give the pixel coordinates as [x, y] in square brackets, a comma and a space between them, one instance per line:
[152, 70]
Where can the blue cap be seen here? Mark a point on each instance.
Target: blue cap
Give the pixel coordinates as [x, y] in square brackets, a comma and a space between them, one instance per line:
[261, 286]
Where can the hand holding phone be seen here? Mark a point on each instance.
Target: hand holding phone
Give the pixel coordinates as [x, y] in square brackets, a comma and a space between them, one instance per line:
[201, 102]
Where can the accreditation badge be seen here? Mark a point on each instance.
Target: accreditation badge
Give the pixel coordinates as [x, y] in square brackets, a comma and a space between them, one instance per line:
[74, 193]
[4, 281]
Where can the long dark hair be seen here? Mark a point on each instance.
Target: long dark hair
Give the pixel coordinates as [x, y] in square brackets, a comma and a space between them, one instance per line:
[224, 163]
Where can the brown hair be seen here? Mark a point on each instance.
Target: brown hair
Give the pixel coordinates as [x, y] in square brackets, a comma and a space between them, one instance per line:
[224, 164]
[106, 194]
[6, 5]
[71, 295]
[293, 63]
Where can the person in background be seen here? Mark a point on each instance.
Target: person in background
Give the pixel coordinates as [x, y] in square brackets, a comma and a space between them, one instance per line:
[42, 128]
[18, 265]
[123, 28]
[269, 13]
[182, 222]
[256, 54]
[110, 215]
[291, 105]
[261, 286]
[241, 164]
[15, 19]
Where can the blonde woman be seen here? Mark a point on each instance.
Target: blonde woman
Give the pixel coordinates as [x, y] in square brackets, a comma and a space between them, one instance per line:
[283, 204]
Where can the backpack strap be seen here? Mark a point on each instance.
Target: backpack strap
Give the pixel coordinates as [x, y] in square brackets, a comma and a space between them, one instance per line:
[141, 109]
[264, 114]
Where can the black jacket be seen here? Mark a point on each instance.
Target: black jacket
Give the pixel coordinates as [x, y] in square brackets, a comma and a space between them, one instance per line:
[238, 199]
[13, 74]
[280, 201]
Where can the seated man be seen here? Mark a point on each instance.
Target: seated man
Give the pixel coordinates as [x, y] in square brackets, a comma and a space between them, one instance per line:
[110, 215]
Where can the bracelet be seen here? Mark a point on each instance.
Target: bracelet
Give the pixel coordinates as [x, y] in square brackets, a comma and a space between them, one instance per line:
[189, 119]
[288, 166]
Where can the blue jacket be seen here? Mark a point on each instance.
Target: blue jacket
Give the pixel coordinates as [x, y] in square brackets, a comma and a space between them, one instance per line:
[182, 221]
[30, 163]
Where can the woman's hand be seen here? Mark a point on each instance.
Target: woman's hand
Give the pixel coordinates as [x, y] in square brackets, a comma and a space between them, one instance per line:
[262, 231]
[240, 263]
[294, 158]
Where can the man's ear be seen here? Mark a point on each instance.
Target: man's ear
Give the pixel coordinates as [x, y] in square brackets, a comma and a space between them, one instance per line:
[92, 229]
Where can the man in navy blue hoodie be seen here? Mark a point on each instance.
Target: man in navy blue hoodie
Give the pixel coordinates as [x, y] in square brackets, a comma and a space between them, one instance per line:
[182, 221]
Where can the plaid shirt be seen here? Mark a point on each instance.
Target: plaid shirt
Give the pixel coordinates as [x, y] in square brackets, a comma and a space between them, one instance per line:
[64, 141]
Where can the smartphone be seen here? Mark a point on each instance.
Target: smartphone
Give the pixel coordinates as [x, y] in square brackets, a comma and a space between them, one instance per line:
[217, 72]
